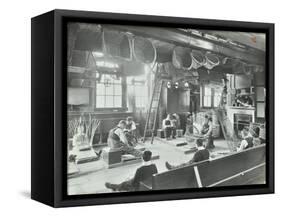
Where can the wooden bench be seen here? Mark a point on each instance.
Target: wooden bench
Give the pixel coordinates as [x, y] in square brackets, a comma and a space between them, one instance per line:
[114, 158]
[246, 167]
[225, 170]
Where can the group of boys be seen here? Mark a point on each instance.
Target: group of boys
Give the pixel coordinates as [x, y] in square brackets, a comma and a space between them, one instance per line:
[250, 138]
[123, 137]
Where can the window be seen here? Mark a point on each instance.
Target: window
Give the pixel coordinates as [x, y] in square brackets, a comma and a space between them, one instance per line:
[140, 95]
[217, 97]
[211, 96]
[139, 89]
[109, 92]
[207, 96]
[184, 101]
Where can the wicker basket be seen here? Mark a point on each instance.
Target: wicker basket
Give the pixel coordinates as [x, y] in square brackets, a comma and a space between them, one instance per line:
[143, 50]
[198, 59]
[117, 44]
[181, 58]
[89, 40]
[211, 60]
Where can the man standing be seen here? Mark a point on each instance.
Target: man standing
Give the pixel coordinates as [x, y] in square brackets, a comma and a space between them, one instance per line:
[189, 124]
[200, 155]
[207, 132]
[117, 140]
[143, 173]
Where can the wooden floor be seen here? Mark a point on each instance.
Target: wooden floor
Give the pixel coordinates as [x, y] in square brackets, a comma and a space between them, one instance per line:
[93, 175]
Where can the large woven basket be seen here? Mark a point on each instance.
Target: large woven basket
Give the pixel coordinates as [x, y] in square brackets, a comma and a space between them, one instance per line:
[89, 40]
[143, 50]
[198, 59]
[117, 44]
[182, 58]
[211, 60]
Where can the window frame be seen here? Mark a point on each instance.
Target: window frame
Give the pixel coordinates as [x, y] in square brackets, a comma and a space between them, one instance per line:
[212, 97]
[123, 97]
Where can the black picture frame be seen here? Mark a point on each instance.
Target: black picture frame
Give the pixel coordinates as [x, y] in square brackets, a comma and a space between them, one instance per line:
[48, 148]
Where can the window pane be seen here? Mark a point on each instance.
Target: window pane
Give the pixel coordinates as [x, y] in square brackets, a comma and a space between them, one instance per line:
[117, 90]
[207, 101]
[117, 81]
[109, 102]
[100, 102]
[117, 101]
[138, 102]
[109, 90]
[141, 102]
[100, 89]
[207, 91]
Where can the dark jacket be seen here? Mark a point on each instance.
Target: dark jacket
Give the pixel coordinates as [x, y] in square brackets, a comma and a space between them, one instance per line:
[200, 155]
[143, 173]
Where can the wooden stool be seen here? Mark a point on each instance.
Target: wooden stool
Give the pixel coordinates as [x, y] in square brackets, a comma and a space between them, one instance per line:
[111, 156]
[179, 132]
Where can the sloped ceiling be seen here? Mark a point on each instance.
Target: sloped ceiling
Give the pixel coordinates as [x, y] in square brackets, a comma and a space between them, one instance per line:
[254, 40]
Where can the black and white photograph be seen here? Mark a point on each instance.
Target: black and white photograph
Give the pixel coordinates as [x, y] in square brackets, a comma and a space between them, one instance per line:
[155, 108]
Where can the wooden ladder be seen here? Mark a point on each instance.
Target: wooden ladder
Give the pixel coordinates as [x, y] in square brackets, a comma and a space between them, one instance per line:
[226, 126]
[153, 108]
[227, 129]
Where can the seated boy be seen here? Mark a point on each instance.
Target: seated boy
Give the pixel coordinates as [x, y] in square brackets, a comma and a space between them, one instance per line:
[252, 139]
[169, 127]
[143, 173]
[244, 132]
[117, 140]
[200, 155]
[130, 131]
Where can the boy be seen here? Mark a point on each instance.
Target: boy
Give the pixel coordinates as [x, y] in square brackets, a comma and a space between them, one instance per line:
[143, 173]
[200, 155]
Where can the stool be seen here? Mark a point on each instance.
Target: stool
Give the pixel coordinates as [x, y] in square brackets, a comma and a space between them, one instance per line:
[111, 156]
[160, 133]
[179, 132]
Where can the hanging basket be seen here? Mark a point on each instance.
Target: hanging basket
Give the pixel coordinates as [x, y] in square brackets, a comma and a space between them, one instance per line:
[211, 60]
[143, 50]
[163, 55]
[117, 44]
[182, 58]
[89, 40]
[198, 59]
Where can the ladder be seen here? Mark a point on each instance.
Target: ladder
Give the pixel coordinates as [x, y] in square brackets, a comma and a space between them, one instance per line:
[227, 129]
[153, 108]
[226, 126]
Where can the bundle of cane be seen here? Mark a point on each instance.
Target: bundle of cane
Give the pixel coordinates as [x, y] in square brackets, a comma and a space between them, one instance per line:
[94, 125]
[72, 126]
[89, 126]
[82, 122]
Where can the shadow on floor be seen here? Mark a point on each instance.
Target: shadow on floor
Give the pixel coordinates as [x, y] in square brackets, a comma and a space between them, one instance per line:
[25, 194]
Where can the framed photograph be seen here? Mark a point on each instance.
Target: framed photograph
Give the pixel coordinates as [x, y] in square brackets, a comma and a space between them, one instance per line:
[134, 108]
